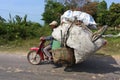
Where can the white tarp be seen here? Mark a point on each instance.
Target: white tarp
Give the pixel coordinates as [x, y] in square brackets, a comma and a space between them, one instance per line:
[85, 17]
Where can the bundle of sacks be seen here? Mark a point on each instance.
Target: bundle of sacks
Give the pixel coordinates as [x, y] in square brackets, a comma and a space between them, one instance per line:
[80, 37]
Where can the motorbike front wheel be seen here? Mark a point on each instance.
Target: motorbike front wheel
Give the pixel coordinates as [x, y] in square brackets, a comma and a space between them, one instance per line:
[34, 58]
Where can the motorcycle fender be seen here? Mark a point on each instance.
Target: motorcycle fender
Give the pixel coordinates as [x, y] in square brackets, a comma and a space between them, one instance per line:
[34, 48]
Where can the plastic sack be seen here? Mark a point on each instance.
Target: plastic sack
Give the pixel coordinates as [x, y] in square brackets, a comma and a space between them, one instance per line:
[80, 39]
[56, 44]
[67, 16]
[59, 32]
[87, 19]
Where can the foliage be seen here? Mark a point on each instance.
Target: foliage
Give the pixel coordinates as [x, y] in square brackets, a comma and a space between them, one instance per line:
[76, 3]
[102, 12]
[115, 14]
[99, 11]
[53, 10]
[2, 20]
[18, 28]
[90, 8]
[111, 16]
[112, 47]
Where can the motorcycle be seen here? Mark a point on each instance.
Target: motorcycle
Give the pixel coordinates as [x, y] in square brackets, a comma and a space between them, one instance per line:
[36, 55]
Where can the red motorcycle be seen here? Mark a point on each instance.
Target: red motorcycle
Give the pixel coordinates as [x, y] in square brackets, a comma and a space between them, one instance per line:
[36, 55]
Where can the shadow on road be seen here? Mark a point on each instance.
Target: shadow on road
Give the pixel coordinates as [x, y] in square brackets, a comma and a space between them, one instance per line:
[98, 64]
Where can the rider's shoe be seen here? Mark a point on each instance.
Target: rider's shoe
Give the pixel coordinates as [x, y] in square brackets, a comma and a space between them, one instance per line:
[57, 65]
[51, 62]
[68, 69]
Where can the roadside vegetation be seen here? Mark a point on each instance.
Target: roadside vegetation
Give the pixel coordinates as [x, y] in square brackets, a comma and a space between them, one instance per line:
[19, 34]
[112, 47]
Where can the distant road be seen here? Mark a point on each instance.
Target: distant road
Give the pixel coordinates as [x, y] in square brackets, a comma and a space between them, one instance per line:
[98, 67]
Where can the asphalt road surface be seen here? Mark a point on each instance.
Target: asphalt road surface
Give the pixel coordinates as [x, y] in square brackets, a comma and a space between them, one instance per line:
[98, 67]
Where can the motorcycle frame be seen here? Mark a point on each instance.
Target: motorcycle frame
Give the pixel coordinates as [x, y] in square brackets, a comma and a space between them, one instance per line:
[39, 50]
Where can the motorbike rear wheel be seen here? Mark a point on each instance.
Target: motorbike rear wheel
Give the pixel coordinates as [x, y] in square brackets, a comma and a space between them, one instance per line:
[33, 58]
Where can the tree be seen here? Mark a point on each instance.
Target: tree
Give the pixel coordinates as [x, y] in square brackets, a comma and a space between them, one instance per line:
[18, 19]
[101, 13]
[2, 20]
[54, 8]
[115, 15]
[24, 20]
[102, 6]
[77, 3]
[115, 8]
[90, 8]
[53, 11]
[18, 28]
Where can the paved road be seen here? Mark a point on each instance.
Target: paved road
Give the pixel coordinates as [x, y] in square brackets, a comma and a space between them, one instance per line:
[98, 67]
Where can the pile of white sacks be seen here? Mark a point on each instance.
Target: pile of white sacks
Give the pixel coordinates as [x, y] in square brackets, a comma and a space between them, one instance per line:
[80, 39]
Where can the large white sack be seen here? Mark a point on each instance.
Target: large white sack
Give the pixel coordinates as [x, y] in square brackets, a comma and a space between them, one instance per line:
[99, 43]
[87, 19]
[62, 28]
[67, 16]
[81, 55]
[80, 39]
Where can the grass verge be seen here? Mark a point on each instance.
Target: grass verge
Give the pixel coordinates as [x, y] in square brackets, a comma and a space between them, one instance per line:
[112, 47]
[19, 46]
[23, 46]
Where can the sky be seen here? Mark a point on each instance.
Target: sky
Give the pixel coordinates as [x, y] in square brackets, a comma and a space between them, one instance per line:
[110, 1]
[33, 8]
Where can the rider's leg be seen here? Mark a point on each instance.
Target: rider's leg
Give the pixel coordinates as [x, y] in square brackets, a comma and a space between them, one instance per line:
[46, 51]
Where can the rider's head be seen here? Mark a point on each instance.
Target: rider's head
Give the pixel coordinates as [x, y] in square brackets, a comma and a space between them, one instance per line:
[53, 24]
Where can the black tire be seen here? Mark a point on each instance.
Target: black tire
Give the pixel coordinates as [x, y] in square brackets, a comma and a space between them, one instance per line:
[33, 58]
[99, 34]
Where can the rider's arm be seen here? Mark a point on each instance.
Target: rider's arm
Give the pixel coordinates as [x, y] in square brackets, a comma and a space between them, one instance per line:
[49, 38]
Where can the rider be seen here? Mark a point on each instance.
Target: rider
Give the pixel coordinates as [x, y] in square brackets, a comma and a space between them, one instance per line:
[52, 25]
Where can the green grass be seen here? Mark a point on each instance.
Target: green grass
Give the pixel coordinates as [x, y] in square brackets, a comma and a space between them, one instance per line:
[19, 45]
[112, 47]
